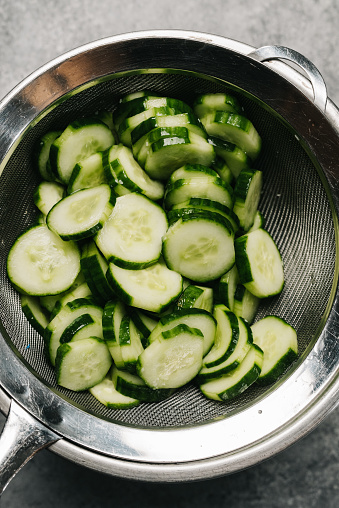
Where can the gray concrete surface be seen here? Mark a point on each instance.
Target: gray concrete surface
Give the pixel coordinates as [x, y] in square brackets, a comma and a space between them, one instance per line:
[33, 32]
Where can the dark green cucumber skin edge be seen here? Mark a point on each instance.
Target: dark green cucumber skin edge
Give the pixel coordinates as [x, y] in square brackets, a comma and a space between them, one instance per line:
[209, 376]
[124, 331]
[107, 322]
[75, 326]
[243, 183]
[234, 340]
[126, 298]
[141, 392]
[244, 269]
[279, 369]
[177, 314]
[240, 387]
[188, 297]
[31, 319]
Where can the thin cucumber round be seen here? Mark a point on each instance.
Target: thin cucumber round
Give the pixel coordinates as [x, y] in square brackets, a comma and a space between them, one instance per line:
[208, 103]
[279, 342]
[247, 192]
[168, 154]
[41, 154]
[198, 297]
[82, 364]
[34, 313]
[126, 171]
[47, 194]
[78, 141]
[233, 384]
[235, 158]
[200, 246]
[226, 336]
[203, 188]
[82, 214]
[240, 349]
[245, 303]
[41, 263]
[106, 393]
[94, 267]
[87, 173]
[131, 385]
[153, 288]
[234, 128]
[132, 236]
[192, 317]
[225, 290]
[173, 361]
[259, 263]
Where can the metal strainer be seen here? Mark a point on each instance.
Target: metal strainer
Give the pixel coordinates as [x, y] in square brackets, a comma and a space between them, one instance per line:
[186, 437]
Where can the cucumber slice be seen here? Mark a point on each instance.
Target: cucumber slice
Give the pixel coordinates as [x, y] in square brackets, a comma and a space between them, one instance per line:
[82, 291]
[198, 297]
[234, 128]
[65, 318]
[192, 317]
[129, 128]
[173, 361]
[209, 205]
[192, 171]
[78, 141]
[200, 246]
[226, 336]
[259, 263]
[170, 153]
[258, 222]
[140, 104]
[227, 287]
[130, 343]
[124, 170]
[144, 323]
[82, 364]
[279, 342]
[153, 288]
[208, 103]
[42, 150]
[47, 194]
[133, 386]
[142, 147]
[235, 158]
[132, 236]
[93, 328]
[34, 313]
[106, 393]
[242, 346]
[167, 121]
[245, 304]
[203, 188]
[225, 173]
[247, 193]
[87, 173]
[75, 326]
[178, 213]
[82, 214]
[41, 263]
[232, 385]
[113, 314]
[94, 267]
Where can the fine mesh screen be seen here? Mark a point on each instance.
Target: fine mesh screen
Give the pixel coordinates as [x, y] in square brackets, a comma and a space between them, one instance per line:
[294, 203]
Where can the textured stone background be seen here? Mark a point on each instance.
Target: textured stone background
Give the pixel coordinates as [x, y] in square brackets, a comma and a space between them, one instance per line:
[34, 32]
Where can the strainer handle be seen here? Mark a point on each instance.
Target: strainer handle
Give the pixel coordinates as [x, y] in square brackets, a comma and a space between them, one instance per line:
[21, 438]
[266, 53]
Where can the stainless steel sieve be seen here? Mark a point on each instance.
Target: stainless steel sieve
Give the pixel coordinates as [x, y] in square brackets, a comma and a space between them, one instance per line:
[186, 437]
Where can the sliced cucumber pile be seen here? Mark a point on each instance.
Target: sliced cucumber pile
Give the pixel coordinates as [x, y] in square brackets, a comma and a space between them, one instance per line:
[148, 259]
